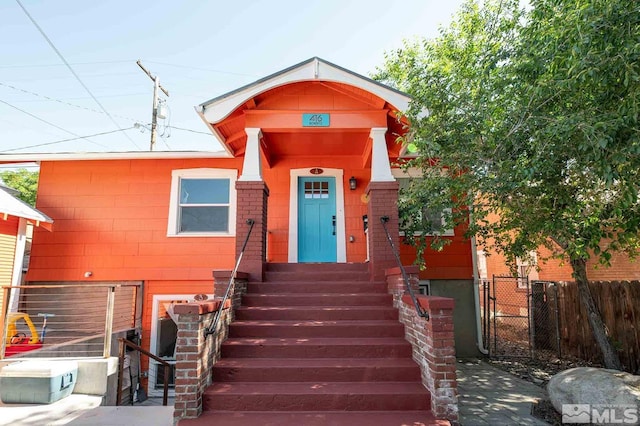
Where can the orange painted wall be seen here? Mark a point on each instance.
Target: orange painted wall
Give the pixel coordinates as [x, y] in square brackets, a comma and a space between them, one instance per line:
[278, 180]
[110, 218]
[454, 262]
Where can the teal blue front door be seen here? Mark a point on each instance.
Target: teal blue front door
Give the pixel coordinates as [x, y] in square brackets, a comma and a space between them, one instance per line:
[317, 219]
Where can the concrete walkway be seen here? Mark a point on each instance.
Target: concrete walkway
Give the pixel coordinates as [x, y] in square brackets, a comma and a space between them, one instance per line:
[490, 396]
[84, 410]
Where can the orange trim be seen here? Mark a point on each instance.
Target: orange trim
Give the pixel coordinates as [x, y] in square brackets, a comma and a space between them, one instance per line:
[292, 120]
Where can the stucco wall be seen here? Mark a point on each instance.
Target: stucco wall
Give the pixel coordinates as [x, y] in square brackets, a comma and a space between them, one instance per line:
[464, 314]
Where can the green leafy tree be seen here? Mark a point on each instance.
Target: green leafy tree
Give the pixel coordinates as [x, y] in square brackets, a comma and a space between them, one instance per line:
[531, 116]
[24, 181]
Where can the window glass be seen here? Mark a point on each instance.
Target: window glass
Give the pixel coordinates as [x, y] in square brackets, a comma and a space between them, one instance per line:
[204, 219]
[204, 191]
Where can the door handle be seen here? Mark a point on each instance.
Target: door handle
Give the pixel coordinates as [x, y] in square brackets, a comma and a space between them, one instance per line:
[333, 223]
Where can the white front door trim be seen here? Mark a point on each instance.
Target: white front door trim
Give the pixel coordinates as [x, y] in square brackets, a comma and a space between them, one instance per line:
[341, 240]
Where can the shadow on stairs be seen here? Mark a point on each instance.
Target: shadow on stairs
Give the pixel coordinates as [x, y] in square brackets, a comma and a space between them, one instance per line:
[316, 344]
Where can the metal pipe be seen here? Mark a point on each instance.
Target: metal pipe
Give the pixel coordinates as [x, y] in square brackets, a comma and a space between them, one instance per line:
[557, 321]
[4, 324]
[108, 324]
[120, 372]
[476, 297]
[166, 385]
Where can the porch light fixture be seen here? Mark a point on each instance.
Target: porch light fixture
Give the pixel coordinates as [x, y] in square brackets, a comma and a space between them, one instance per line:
[352, 183]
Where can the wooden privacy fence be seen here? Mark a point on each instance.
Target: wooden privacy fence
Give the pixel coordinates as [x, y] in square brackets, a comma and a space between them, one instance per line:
[619, 305]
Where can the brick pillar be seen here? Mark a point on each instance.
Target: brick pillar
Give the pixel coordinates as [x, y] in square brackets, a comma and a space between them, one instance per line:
[196, 354]
[252, 204]
[383, 201]
[434, 351]
[221, 280]
[396, 285]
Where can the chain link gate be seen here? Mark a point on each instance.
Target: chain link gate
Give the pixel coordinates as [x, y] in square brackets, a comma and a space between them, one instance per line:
[506, 316]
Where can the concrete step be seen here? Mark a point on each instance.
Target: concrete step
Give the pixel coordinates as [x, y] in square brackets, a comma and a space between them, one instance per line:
[316, 313]
[316, 329]
[315, 287]
[316, 418]
[322, 275]
[316, 370]
[316, 396]
[318, 299]
[317, 267]
[320, 347]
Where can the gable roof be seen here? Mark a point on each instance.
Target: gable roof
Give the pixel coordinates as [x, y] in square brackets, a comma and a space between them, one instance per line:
[12, 206]
[217, 109]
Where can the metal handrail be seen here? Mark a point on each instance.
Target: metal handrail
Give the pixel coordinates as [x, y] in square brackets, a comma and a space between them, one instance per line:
[421, 312]
[165, 364]
[214, 321]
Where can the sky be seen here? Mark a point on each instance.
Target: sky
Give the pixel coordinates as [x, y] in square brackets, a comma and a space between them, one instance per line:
[199, 49]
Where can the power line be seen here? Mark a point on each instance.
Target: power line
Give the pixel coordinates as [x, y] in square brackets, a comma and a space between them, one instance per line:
[73, 72]
[62, 102]
[189, 130]
[51, 124]
[68, 140]
[202, 69]
[60, 65]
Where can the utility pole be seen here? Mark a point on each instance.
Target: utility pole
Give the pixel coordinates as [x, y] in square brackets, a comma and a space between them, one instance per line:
[154, 116]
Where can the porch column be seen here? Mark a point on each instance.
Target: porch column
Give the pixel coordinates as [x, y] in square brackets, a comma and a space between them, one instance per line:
[252, 166]
[383, 201]
[252, 193]
[380, 167]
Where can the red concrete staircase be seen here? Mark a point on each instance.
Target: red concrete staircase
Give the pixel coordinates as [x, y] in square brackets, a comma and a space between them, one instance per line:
[316, 344]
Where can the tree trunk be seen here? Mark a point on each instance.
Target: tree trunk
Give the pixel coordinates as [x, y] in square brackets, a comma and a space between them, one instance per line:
[611, 358]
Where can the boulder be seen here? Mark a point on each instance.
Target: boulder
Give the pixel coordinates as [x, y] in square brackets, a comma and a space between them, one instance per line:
[594, 386]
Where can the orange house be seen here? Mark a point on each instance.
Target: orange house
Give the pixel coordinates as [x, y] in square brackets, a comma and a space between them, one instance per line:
[309, 155]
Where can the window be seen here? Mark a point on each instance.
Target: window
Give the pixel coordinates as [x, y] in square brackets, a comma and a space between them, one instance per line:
[425, 287]
[527, 269]
[316, 189]
[164, 333]
[434, 220]
[203, 202]
[481, 256]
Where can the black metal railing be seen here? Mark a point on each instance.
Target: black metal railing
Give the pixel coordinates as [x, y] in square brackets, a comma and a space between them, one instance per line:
[214, 321]
[421, 312]
[165, 364]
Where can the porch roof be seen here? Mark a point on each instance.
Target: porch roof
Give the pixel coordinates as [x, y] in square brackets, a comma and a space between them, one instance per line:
[372, 105]
[11, 206]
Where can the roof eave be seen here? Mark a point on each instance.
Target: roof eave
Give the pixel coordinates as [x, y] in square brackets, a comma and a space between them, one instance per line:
[217, 109]
[128, 155]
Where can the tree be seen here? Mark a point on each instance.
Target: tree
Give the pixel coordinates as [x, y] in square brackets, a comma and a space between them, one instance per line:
[24, 181]
[531, 115]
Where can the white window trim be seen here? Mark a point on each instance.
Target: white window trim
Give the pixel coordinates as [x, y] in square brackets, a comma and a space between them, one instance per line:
[414, 172]
[174, 202]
